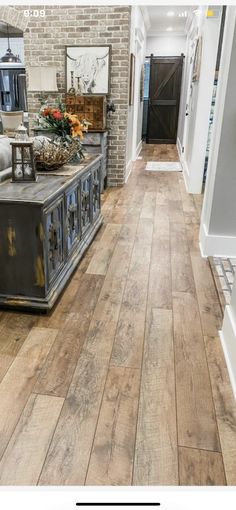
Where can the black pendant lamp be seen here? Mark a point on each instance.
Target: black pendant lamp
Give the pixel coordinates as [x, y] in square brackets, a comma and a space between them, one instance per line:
[9, 56]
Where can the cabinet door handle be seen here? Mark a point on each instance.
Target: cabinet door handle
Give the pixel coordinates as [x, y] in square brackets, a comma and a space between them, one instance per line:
[71, 217]
[53, 240]
[72, 208]
[85, 199]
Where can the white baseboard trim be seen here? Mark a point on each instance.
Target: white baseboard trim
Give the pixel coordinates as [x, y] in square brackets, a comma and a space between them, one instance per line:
[129, 167]
[228, 342]
[218, 246]
[139, 148]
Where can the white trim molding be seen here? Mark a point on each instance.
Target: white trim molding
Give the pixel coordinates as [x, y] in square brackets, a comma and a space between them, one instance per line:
[179, 148]
[139, 148]
[129, 168]
[228, 342]
[216, 245]
[185, 171]
[146, 17]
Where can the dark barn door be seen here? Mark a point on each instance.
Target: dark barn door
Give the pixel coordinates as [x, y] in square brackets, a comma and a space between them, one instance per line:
[164, 97]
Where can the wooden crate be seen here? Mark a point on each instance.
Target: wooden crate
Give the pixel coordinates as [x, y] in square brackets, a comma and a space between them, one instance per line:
[89, 107]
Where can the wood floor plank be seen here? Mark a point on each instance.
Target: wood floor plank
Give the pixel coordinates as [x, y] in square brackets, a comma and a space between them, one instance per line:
[198, 200]
[14, 329]
[127, 233]
[58, 315]
[187, 199]
[110, 298]
[118, 214]
[156, 460]
[140, 262]
[57, 372]
[176, 211]
[174, 190]
[87, 257]
[197, 426]
[210, 310]
[69, 453]
[127, 349]
[68, 457]
[101, 259]
[120, 260]
[23, 459]
[144, 231]
[192, 232]
[149, 205]
[200, 467]
[181, 267]
[224, 404]
[160, 289]
[20, 379]
[112, 456]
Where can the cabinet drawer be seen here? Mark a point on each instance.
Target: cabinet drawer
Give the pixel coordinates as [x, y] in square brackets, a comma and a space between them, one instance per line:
[93, 149]
[92, 139]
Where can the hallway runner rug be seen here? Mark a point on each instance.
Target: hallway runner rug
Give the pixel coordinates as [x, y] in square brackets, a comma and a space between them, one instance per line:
[163, 166]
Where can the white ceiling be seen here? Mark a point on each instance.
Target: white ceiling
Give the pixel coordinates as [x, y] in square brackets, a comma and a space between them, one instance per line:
[159, 21]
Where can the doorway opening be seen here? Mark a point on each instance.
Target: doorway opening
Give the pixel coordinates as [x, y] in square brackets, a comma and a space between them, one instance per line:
[211, 118]
[162, 105]
[13, 95]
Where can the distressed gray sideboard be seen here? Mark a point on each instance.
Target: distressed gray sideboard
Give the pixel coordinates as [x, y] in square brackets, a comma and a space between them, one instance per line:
[95, 142]
[45, 227]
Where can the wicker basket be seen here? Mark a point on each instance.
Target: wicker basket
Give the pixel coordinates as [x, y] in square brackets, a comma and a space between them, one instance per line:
[51, 154]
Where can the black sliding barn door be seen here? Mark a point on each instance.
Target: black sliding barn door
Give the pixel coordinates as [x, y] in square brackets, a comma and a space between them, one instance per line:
[164, 97]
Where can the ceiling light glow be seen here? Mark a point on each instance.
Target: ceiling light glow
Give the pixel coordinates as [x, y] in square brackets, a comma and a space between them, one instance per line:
[170, 13]
[169, 29]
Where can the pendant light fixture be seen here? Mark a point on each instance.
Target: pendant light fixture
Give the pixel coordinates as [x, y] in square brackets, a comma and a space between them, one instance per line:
[9, 56]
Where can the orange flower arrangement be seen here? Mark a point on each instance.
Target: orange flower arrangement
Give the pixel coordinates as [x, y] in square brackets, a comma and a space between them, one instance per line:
[76, 126]
[66, 126]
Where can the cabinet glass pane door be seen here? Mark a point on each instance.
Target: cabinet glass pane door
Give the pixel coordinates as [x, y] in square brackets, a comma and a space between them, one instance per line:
[54, 229]
[72, 218]
[86, 202]
[96, 191]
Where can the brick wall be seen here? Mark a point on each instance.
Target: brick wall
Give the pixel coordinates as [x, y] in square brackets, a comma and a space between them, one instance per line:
[45, 41]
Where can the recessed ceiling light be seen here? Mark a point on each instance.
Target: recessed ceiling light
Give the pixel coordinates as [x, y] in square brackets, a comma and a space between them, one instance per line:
[169, 29]
[170, 13]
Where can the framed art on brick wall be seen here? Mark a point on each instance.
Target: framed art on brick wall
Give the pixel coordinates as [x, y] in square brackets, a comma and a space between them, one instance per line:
[88, 69]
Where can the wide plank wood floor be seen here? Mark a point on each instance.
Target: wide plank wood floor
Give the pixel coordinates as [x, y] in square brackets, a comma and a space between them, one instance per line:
[124, 382]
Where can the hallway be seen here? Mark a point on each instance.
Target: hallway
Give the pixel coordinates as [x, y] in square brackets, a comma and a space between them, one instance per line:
[125, 381]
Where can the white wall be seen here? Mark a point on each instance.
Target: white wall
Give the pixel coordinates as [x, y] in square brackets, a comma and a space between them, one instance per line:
[16, 45]
[184, 92]
[197, 123]
[166, 46]
[135, 111]
[218, 226]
